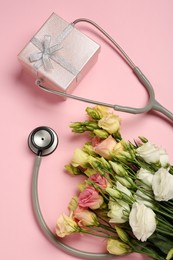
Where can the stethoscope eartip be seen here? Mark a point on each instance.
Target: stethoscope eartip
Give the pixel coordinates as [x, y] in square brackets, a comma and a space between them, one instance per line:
[43, 141]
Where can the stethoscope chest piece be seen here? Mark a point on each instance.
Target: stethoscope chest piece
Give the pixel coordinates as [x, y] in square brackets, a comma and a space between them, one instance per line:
[43, 140]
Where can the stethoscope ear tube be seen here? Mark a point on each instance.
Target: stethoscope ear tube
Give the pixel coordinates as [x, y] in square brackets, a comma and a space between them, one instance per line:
[152, 103]
[44, 227]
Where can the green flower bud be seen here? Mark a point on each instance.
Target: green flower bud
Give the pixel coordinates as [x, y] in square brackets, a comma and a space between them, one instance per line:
[93, 113]
[73, 170]
[77, 127]
[143, 139]
[93, 162]
[122, 234]
[91, 125]
[117, 247]
[88, 148]
[73, 203]
[170, 254]
[118, 169]
[105, 164]
[101, 110]
[125, 181]
[114, 193]
[101, 133]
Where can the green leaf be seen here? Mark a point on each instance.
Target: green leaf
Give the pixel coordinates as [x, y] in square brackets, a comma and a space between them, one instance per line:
[162, 242]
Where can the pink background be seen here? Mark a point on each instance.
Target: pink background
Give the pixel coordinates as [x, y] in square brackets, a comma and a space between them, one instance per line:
[144, 28]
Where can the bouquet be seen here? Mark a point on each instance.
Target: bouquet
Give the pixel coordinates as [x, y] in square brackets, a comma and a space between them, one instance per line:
[127, 195]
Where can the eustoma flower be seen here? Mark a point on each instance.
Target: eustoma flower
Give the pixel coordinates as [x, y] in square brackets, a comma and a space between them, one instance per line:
[145, 176]
[90, 197]
[79, 158]
[85, 217]
[119, 211]
[142, 221]
[163, 185]
[65, 226]
[110, 122]
[152, 154]
[105, 147]
[99, 180]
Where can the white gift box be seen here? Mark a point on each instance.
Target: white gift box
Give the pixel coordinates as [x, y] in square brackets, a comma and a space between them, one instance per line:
[59, 54]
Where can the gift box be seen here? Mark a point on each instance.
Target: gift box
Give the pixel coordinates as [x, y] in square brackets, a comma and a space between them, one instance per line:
[59, 54]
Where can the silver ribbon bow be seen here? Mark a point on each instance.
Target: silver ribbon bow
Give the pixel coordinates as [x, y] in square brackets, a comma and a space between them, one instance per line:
[48, 52]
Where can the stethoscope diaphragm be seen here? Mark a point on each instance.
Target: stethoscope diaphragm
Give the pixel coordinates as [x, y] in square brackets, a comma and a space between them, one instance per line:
[43, 140]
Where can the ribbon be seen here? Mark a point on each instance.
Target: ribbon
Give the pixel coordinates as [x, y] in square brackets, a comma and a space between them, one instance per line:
[48, 52]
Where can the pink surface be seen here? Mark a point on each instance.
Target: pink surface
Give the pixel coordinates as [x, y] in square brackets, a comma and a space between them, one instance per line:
[144, 29]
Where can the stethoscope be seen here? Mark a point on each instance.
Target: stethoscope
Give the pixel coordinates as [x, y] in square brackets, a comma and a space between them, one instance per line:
[43, 141]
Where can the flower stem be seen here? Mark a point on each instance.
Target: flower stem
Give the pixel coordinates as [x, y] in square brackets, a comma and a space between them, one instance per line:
[163, 213]
[97, 235]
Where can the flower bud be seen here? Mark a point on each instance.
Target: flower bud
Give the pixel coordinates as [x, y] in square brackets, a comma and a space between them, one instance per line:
[77, 127]
[143, 139]
[91, 125]
[101, 110]
[93, 113]
[114, 193]
[93, 162]
[104, 164]
[88, 148]
[120, 171]
[170, 254]
[127, 182]
[101, 133]
[122, 234]
[73, 203]
[117, 247]
[72, 170]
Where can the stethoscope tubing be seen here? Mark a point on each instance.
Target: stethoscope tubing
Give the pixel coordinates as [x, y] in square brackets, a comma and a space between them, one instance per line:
[44, 227]
[152, 104]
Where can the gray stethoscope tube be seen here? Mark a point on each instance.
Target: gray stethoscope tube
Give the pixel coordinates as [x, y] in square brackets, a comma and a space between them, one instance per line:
[152, 104]
[43, 141]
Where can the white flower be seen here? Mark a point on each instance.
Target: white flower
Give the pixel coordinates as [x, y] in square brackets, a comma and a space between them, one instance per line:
[142, 221]
[152, 154]
[164, 159]
[119, 211]
[145, 176]
[143, 198]
[110, 122]
[122, 188]
[163, 185]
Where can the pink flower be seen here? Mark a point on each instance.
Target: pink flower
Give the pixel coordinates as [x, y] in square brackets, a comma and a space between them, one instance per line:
[105, 147]
[85, 217]
[90, 198]
[99, 180]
